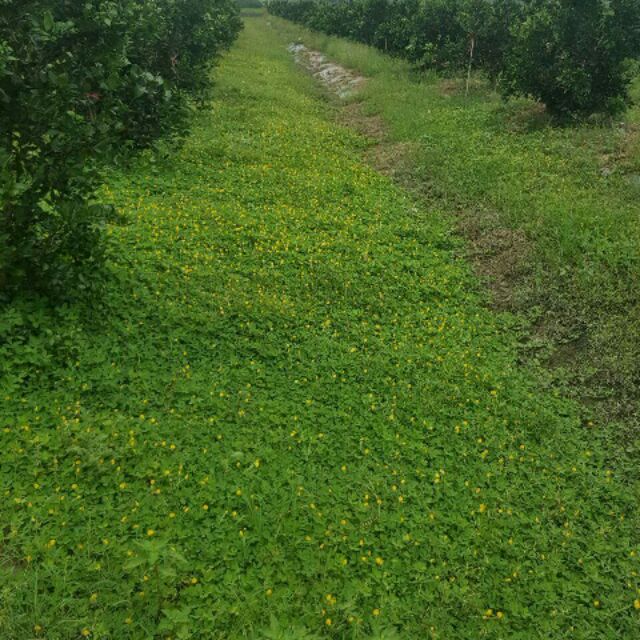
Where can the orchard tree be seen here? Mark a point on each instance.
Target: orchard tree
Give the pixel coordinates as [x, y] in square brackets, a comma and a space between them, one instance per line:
[573, 55]
[79, 83]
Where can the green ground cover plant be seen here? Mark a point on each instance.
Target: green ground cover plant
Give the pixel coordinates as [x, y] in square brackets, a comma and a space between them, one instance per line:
[290, 413]
[562, 200]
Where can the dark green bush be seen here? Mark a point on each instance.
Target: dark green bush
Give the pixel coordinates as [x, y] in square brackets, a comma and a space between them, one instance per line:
[428, 33]
[573, 55]
[80, 84]
[570, 54]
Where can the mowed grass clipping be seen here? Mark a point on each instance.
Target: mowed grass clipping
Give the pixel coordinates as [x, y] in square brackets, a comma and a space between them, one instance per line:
[291, 409]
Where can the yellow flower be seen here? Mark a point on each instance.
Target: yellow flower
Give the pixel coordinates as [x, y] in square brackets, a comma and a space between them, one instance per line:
[636, 604]
[151, 532]
[205, 507]
[483, 508]
[379, 561]
[376, 612]
[328, 622]
[85, 632]
[269, 593]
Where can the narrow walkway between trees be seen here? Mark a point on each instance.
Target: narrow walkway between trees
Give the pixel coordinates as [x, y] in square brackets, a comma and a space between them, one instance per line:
[294, 410]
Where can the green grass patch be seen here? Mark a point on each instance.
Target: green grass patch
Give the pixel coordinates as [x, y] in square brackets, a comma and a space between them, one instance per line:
[291, 409]
[571, 191]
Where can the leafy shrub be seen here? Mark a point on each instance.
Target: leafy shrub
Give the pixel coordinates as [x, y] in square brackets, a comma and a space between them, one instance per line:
[81, 82]
[429, 33]
[570, 54]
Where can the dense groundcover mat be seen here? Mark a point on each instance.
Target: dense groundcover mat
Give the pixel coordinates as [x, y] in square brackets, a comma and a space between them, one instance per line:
[290, 409]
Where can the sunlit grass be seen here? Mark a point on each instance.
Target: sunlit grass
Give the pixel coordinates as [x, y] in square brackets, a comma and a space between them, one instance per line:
[290, 408]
